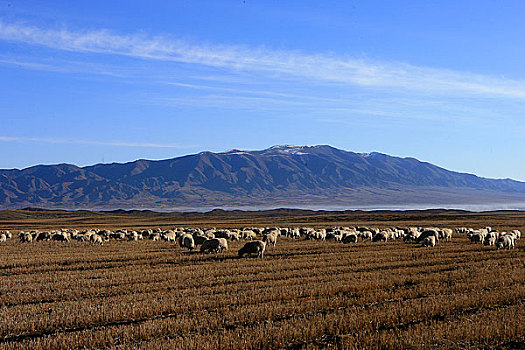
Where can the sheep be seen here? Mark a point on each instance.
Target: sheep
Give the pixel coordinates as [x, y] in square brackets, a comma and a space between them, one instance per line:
[3, 237]
[84, 237]
[253, 247]
[270, 238]
[411, 236]
[269, 230]
[154, 237]
[96, 239]
[336, 235]
[461, 230]
[216, 245]
[117, 235]
[366, 235]
[476, 237]
[234, 236]
[198, 239]
[103, 233]
[429, 241]
[490, 239]
[186, 241]
[505, 241]
[380, 237]
[43, 236]
[320, 235]
[60, 237]
[222, 234]
[25, 237]
[350, 238]
[294, 233]
[304, 230]
[310, 234]
[169, 236]
[134, 236]
[429, 232]
[249, 235]
[7, 234]
[446, 234]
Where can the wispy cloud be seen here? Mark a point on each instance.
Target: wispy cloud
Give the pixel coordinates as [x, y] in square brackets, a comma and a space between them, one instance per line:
[90, 142]
[321, 68]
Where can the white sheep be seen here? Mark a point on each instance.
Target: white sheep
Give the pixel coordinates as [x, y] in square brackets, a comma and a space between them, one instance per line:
[270, 238]
[216, 245]
[186, 241]
[253, 247]
[446, 234]
[96, 239]
[380, 237]
[490, 239]
[506, 241]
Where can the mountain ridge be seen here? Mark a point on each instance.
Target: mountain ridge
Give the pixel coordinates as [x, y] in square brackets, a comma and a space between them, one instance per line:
[281, 174]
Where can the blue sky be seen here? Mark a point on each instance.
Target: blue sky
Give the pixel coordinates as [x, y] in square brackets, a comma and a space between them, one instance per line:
[85, 82]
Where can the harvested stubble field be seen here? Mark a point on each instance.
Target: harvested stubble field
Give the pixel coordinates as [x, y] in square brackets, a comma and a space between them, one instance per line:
[303, 294]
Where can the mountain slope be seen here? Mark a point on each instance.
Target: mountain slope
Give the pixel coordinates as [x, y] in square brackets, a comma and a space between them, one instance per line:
[280, 175]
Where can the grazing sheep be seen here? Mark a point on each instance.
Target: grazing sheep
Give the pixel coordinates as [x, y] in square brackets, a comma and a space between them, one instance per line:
[490, 239]
[476, 237]
[25, 237]
[216, 245]
[117, 235]
[462, 230]
[380, 237]
[320, 235]
[350, 238]
[429, 232]
[43, 236]
[198, 239]
[234, 236]
[222, 234]
[336, 236]
[154, 237]
[429, 241]
[446, 234]
[505, 241]
[270, 238]
[96, 239]
[253, 247]
[249, 235]
[366, 235]
[60, 237]
[294, 233]
[186, 241]
[411, 236]
[169, 236]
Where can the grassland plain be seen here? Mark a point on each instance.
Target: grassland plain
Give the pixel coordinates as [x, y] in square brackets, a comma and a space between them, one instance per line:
[303, 294]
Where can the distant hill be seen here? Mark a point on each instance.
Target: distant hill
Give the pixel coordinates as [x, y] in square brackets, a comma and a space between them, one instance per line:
[280, 176]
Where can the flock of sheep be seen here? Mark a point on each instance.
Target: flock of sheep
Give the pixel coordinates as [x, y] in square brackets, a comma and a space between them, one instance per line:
[490, 237]
[213, 240]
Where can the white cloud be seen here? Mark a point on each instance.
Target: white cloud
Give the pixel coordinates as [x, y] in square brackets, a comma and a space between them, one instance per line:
[90, 142]
[321, 68]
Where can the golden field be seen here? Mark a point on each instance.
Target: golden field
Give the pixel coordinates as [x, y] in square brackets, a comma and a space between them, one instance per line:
[303, 294]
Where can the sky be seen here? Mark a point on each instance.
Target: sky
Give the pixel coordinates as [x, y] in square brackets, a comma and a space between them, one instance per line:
[87, 82]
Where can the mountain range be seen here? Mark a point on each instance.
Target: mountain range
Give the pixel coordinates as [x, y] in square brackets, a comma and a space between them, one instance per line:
[280, 176]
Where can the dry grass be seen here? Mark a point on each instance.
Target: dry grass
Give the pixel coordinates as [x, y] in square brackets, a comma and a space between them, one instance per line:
[304, 294]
